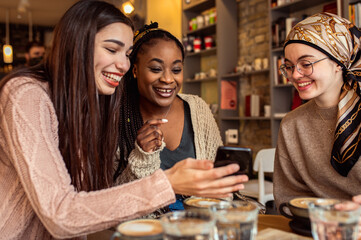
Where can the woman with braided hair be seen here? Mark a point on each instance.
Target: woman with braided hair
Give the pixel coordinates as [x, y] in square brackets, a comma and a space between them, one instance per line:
[162, 126]
[318, 150]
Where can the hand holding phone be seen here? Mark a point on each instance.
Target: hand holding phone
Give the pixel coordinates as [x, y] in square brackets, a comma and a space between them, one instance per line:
[238, 155]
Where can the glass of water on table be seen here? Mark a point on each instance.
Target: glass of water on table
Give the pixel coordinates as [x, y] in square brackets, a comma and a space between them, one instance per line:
[235, 220]
[336, 221]
[188, 225]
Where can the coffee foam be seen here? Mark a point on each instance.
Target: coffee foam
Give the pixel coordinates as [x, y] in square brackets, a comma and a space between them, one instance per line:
[141, 227]
[302, 202]
[202, 202]
[188, 226]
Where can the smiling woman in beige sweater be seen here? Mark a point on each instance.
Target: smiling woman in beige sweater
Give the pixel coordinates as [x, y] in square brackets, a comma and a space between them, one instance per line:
[318, 150]
[58, 137]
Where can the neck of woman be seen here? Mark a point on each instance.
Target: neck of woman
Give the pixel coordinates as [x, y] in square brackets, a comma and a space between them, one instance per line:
[150, 111]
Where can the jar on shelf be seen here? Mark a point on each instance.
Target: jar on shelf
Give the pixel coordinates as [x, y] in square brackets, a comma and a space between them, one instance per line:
[189, 44]
[197, 44]
[208, 42]
[200, 21]
[212, 16]
[194, 24]
[206, 18]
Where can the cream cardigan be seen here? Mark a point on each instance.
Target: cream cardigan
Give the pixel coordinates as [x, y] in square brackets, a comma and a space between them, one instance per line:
[206, 139]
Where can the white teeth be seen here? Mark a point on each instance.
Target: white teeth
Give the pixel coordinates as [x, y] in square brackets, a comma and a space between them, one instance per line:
[164, 90]
[112, 76]
[303, 84]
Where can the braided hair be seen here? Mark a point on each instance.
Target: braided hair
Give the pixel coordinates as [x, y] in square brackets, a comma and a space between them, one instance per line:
[130, 116]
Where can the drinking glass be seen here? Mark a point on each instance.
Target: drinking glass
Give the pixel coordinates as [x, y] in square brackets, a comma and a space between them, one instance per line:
[235, 220]
[336, 221]
[188, 224]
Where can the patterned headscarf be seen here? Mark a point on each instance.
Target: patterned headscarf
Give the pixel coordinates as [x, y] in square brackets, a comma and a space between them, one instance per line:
[340, 41]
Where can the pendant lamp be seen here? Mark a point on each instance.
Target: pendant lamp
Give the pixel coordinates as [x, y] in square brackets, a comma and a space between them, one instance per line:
[7, 48]
[127, 7]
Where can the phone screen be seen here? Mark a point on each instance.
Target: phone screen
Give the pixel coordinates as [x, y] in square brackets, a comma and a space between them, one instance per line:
[241, 156]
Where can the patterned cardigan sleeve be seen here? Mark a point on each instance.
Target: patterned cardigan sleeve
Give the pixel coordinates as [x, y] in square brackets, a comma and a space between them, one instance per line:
[207, 138]
[140, 164]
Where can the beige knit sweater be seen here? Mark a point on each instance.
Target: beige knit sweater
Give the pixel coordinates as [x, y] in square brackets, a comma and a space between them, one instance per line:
[207, 138]
[302, 164]
[37, 199]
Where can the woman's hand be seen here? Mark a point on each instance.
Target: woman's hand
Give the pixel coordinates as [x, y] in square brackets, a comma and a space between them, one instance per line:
[357, 199]
[198, 178]
[150, 136]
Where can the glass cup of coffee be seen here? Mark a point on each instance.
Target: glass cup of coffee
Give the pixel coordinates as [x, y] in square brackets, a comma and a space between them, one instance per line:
[298, 212]
[334, 220]
[139, 229]
[200, 203]
[235, 220]
[188, 224]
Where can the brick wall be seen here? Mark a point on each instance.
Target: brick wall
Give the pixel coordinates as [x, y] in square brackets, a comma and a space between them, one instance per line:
[253, 32]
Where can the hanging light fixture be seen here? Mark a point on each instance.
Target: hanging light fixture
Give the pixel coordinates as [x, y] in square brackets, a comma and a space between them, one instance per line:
[127, 7]
[7, 48]
[23, 6]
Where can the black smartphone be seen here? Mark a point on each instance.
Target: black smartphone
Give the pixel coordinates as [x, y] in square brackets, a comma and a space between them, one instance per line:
[241, 156]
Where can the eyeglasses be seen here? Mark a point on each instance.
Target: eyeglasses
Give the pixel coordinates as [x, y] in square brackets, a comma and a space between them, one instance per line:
[304, 67]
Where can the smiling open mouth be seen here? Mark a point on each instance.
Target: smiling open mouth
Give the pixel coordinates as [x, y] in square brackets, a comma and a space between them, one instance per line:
[113, 77]
[165, 92]
[304, 84]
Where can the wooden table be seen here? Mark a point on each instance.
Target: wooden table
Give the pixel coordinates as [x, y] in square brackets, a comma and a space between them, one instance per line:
[276, 227]
[273, 221]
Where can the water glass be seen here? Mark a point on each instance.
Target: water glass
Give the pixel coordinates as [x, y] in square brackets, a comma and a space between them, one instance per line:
[188, 224]
[336, 221]
[235, 220]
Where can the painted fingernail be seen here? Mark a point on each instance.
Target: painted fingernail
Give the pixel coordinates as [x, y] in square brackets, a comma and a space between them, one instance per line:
[357, 198]
[164, 120]
[235, 167]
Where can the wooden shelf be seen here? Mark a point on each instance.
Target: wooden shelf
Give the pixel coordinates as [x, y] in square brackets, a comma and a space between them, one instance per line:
[277, 49]
[204, 52]
[209, 79]
[196, 6]
[298, 5]
[233, 75]
[207, 30]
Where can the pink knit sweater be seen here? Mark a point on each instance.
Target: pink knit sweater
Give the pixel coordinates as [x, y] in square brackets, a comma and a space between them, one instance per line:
[37, 199]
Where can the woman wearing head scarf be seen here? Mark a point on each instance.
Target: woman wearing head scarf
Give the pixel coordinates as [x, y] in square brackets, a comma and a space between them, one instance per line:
[318, 147]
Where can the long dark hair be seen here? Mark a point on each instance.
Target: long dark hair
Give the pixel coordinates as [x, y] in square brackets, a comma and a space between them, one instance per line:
[87, 140]
[130, 117]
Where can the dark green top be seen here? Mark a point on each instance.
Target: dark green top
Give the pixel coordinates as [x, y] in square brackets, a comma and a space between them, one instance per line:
[186, 147]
